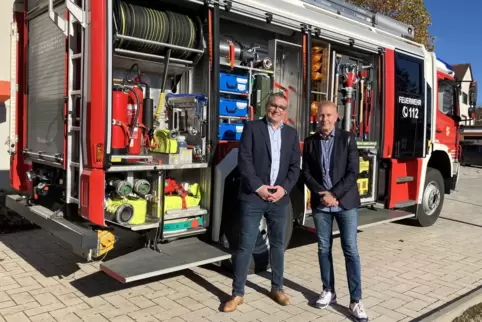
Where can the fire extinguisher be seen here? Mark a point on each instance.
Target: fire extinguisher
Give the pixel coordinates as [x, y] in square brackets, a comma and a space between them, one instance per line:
[134, 116]
[120, 128]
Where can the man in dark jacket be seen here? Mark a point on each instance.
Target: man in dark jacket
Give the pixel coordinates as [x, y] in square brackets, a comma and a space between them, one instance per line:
[330, 169]
[269, 163]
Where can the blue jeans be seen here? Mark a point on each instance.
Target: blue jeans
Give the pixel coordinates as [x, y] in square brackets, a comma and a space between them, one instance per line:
[251, 215]
[348, 223]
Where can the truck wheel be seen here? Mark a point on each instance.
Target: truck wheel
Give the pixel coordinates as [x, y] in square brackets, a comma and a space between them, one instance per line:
[260, 258]
[432, 199]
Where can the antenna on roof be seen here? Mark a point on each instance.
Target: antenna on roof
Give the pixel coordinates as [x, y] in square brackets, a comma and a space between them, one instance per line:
[369, 18]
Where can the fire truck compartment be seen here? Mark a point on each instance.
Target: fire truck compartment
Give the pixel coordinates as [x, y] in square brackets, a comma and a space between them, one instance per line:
[367, 217]
[46, 87]
[175, 256]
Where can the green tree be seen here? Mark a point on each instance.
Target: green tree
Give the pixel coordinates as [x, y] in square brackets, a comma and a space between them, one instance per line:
[412, 12]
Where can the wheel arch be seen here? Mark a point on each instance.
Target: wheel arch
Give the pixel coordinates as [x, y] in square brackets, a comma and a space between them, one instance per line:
[441, 160]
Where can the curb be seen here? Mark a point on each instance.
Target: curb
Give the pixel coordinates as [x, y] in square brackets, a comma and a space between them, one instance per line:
[453, 309]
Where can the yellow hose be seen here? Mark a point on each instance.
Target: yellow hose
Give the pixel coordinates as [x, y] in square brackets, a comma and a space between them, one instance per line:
[139, 205]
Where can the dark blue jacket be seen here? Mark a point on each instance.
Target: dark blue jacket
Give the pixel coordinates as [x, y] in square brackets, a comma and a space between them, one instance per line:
[254, 160]
[344, 168]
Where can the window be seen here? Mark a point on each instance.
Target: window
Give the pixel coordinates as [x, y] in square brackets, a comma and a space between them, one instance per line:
[407, 74]
[465, 98]
[410, 107]
[445, 98]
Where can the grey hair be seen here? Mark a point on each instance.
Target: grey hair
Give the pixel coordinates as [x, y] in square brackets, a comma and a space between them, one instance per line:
[272, 97]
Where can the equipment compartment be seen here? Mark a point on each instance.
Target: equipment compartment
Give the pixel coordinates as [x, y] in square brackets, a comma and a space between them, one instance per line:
[46, 88]
[229, 131]
[233, 107]
[233, 83]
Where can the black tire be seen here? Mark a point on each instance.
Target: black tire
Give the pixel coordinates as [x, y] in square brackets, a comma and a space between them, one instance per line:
[260, 258]
[429, 209]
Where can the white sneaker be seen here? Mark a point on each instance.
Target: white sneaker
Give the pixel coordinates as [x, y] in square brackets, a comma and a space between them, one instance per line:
[326, 298]
[358, 311]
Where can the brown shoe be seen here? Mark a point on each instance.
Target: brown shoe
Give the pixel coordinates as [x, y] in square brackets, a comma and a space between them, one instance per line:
[279, 297]
[233, 303]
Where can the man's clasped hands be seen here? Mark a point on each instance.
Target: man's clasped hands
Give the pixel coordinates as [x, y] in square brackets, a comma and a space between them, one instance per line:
[275, 193]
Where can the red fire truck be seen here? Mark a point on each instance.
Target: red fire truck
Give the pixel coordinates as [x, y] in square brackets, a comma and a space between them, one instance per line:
[127, 116]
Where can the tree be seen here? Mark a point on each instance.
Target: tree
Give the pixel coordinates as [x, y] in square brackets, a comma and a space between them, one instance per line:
[411, 12]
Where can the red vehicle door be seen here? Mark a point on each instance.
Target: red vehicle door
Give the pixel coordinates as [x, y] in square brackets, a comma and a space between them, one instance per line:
[447, 112]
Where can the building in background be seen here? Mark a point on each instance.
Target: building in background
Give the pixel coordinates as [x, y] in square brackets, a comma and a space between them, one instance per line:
[463, 72]
[6, 14]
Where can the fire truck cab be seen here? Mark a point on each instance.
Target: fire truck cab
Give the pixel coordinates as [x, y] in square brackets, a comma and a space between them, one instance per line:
[128, 116]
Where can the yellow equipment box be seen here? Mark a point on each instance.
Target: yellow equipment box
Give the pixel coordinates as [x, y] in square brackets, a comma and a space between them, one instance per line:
[362, 186]
[364, 165]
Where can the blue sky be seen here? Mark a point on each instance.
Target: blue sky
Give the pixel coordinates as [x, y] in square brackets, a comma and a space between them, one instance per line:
[458, 29]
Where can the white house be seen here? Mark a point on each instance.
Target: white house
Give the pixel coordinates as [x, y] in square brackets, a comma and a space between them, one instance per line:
[463, 72]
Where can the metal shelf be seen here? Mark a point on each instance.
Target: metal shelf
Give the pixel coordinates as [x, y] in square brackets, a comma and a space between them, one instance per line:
[157, 43]
[234, 93]
[176, 65]
[155, 167]
[186, 233]
[150, 223]
[184, 213]
[319, 93]
[233, 117]
[132, 157]
[259, 70]
[125, 61]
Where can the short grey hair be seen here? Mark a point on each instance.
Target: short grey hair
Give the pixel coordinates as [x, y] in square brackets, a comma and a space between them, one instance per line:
[272, 97]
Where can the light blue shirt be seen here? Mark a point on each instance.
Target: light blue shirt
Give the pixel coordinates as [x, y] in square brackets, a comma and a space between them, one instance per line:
[275, 139]
[326, 150]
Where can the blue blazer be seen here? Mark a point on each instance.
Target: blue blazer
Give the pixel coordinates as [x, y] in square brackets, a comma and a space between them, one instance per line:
[254, 160]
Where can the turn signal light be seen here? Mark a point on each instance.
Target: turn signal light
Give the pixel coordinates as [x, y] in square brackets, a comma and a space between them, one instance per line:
[99, 153]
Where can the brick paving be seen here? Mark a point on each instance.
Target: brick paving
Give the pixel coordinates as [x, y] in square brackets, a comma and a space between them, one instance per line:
[407, 272]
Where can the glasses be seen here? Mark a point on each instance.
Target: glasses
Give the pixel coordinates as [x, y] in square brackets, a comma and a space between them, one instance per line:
[275, 106]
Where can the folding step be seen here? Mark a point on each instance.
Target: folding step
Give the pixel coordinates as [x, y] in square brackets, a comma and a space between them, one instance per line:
[176, 256]
[368, 217]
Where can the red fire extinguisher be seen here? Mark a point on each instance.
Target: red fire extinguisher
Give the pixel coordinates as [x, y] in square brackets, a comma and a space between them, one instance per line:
[134, 116]
[120, 123]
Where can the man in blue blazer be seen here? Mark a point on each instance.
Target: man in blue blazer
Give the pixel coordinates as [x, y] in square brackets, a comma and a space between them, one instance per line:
[330, 169]
[269, 164]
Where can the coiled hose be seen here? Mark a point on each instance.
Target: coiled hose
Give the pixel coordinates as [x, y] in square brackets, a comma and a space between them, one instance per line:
[156, 25]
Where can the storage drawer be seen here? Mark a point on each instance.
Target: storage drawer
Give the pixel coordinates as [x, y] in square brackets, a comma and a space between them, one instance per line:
[233, 107]
[233, 83]
[230, 131]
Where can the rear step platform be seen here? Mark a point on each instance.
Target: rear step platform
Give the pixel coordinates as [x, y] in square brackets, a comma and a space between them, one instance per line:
[368, 217]
[175, 256]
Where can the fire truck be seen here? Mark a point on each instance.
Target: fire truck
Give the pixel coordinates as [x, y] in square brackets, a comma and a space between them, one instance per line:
[126, 117]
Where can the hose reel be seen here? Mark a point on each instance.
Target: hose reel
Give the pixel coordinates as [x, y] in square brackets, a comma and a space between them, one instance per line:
[159, 26]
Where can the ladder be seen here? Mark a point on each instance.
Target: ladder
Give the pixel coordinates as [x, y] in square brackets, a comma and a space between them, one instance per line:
[74, 28]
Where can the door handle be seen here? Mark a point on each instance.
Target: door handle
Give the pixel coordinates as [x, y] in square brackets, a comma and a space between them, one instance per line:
[439, 131]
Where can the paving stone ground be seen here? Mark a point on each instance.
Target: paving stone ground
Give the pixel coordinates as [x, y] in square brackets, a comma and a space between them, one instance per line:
[407, 272]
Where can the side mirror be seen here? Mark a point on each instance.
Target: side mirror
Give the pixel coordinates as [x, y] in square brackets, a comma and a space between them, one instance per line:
[471, 113]
[473, 94]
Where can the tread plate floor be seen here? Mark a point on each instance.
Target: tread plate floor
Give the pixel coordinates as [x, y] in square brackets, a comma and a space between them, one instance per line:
[145, 263]
[368, 217]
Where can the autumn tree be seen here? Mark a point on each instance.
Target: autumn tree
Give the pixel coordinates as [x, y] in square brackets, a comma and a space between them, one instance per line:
[411, 12]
